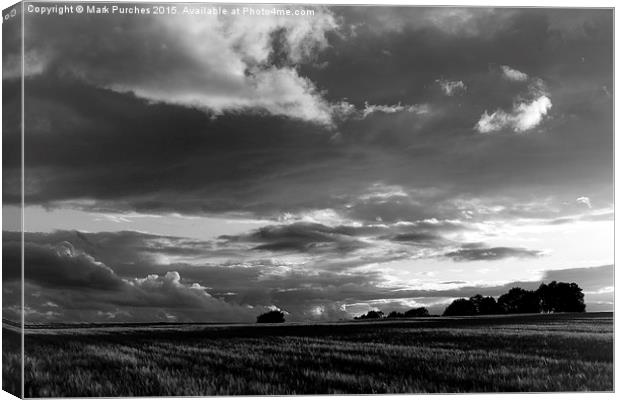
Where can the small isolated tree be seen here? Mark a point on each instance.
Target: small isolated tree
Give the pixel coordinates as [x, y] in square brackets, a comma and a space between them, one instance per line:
[271, 317]
[416, 312]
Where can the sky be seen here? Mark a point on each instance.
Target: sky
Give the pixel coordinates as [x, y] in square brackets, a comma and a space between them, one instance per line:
[210, 168]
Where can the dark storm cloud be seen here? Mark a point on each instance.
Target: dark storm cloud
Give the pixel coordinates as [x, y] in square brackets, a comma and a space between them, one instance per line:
[338, 240]
[137, 254]
[81, 287]
[223, 263]
[420, 51]
[130, 154]
[424, 44]
[492, 253]
[303, 237]
[125, 152]
[134, 254]
[50, 265]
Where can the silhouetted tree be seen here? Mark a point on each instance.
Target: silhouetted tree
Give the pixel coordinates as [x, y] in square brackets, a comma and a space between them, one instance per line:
[372, 314]
[519, 300]
[475, 305]
[413, 313]
[275, 316]
[554, 297]
[395, 314]
[485, 305]
[416, 312]
[561, 297]
[460, 307]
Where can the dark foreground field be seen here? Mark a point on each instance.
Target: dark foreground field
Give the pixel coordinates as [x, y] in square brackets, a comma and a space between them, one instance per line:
[562, 352]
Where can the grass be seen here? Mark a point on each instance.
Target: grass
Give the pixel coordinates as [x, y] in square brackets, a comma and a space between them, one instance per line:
[11, 361]
[562, 352]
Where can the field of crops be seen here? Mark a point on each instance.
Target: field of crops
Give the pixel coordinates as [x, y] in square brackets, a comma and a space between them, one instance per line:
[561, 352]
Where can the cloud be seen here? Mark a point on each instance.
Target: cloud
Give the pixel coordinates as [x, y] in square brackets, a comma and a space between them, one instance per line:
[493, 253]
[453, 21]
[126, 249]
[240, 64]
[33, 64]
[523, 117]
[528, 110]
[344, 246]
[416, 237]
[590, 279]
[451, 88]
[64, 283]
[513, 74]
[595, 215]
[83, 289]
[72, 280]
[301, 237]
[585, 201]
[244, 160]
[344, 110]
[391, 109]
[61, 266]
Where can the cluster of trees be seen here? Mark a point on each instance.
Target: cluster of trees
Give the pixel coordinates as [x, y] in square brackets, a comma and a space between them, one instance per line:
[271, 317]
[554, 297]
[413, 313]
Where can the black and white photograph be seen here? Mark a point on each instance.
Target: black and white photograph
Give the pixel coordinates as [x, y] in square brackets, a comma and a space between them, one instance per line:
[223, 199]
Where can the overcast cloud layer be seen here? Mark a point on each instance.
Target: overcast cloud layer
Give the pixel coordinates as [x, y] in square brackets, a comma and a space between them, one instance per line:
[208, 169]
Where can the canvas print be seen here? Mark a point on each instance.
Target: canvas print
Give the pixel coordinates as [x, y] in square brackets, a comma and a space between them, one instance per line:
[205, 199]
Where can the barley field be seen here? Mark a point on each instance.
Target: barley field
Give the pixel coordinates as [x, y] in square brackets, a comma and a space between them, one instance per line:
[554, 352]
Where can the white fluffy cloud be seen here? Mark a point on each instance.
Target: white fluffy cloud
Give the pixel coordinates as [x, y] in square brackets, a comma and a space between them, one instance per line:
[513, 74]
[523, 116]
[450, 88]
[527, 111]
[277, 91]
[231, 57]
[241, 64]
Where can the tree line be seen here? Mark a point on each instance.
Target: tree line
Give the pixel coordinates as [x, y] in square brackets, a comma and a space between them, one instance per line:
[554, 297]
[413, 313]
